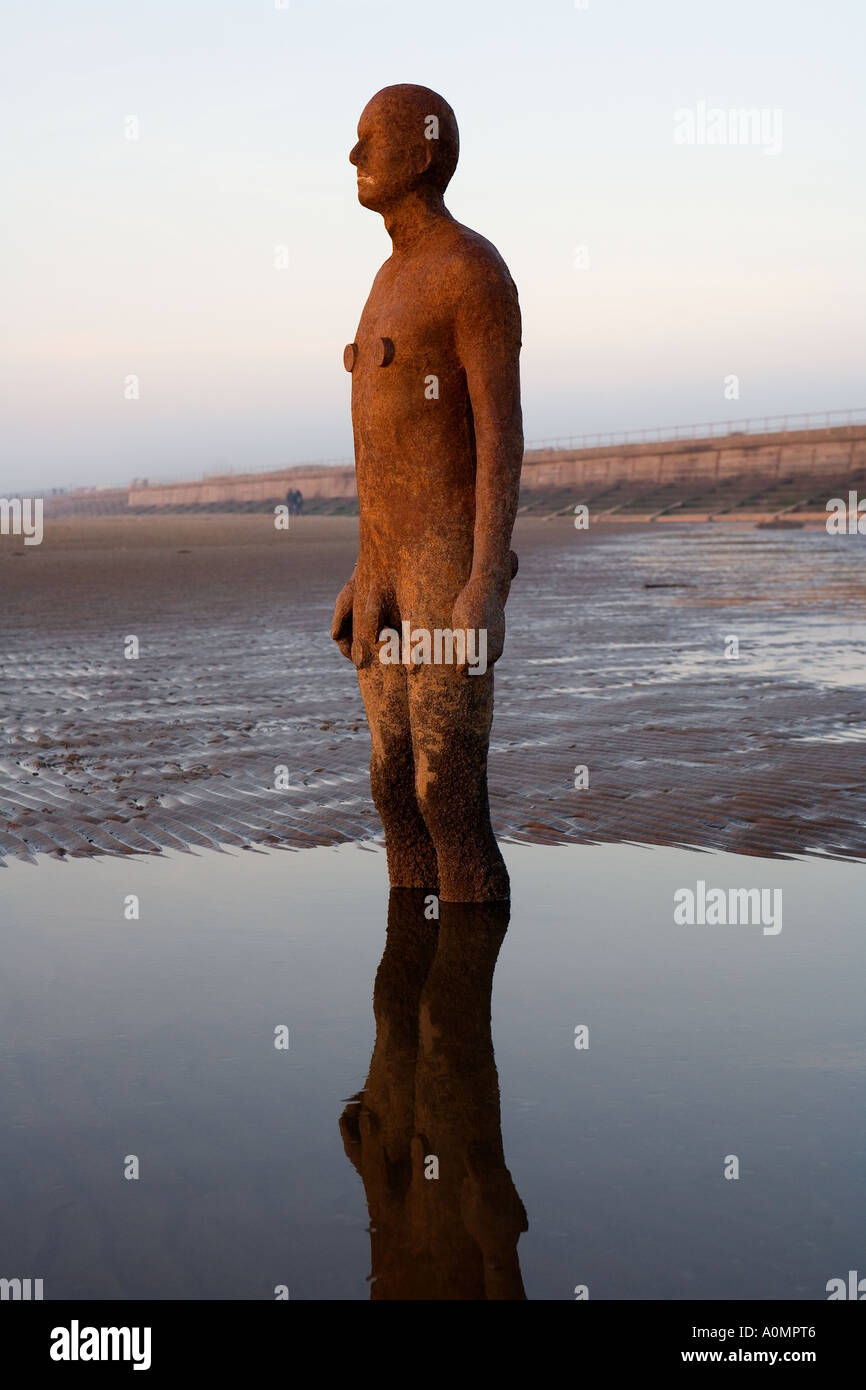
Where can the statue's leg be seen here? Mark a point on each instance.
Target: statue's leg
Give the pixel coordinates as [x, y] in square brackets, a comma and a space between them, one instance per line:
[451, 713]
[410, 851]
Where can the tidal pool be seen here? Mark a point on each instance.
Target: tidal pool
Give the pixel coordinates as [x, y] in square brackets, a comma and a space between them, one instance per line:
[582, 1144]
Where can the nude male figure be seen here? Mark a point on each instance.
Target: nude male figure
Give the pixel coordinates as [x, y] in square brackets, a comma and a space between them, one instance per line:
[438, 451]
[432, 1088]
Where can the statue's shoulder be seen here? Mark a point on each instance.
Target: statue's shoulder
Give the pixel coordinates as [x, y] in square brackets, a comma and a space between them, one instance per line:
[471, 262]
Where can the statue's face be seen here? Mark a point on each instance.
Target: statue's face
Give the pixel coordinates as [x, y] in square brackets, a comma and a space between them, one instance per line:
[390, 155]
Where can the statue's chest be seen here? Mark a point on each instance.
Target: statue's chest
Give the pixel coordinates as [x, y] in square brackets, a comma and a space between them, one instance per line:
[404, 330]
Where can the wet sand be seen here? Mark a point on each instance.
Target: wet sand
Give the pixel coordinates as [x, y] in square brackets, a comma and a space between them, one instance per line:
[614, 661]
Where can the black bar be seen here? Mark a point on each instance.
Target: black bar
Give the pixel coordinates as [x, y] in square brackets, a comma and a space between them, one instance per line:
[221, 1338]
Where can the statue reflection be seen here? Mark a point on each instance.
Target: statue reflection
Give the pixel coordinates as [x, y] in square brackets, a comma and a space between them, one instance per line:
[425, 1133]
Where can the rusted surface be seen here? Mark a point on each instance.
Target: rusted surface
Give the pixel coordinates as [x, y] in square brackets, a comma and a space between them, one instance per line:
[438, 451]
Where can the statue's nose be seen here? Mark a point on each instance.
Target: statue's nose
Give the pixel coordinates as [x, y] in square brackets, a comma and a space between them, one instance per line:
[353, 155]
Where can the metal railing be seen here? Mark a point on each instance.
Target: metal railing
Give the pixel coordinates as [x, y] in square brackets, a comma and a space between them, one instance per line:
[758, 424]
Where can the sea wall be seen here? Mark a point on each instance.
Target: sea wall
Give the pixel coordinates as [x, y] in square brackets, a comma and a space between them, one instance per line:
[814, 453]
[832, 452]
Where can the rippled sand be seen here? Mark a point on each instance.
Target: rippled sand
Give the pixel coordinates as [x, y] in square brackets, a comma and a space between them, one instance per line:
[615, 660]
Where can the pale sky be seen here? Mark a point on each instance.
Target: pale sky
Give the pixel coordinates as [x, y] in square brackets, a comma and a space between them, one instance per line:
[154, 257]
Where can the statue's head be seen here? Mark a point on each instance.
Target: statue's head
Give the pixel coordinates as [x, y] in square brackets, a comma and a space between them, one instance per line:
[407, 140]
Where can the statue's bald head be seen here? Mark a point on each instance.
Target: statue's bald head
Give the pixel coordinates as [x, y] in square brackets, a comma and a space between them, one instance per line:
[407, 139]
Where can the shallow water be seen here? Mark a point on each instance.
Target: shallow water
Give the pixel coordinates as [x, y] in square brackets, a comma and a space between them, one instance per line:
[155, 1038]
[606, 666]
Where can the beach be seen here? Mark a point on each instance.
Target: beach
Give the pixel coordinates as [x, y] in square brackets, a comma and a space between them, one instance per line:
[231, 1056]
[621, 714]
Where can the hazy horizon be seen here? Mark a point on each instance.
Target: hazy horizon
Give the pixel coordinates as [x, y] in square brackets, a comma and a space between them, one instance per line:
[154, 257]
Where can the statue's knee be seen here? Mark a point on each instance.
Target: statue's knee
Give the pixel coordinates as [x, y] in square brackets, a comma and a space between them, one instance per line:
[391, 778]
[440, 807]
[384, 779]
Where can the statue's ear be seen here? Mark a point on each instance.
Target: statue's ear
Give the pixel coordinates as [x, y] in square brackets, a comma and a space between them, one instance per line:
[426, 158]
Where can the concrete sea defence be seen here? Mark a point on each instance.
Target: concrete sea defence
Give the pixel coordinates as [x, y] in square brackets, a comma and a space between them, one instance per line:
[742, 476]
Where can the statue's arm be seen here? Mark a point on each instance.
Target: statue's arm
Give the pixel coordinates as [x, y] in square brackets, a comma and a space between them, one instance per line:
[487, 338]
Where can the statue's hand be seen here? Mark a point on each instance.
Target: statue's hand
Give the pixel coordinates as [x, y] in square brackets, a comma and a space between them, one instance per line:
[479, 607]
[490, 1207]
[341, 627]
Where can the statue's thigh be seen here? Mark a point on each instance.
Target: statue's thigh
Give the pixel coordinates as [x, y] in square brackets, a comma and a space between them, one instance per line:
[383, 690]
[451, 714]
